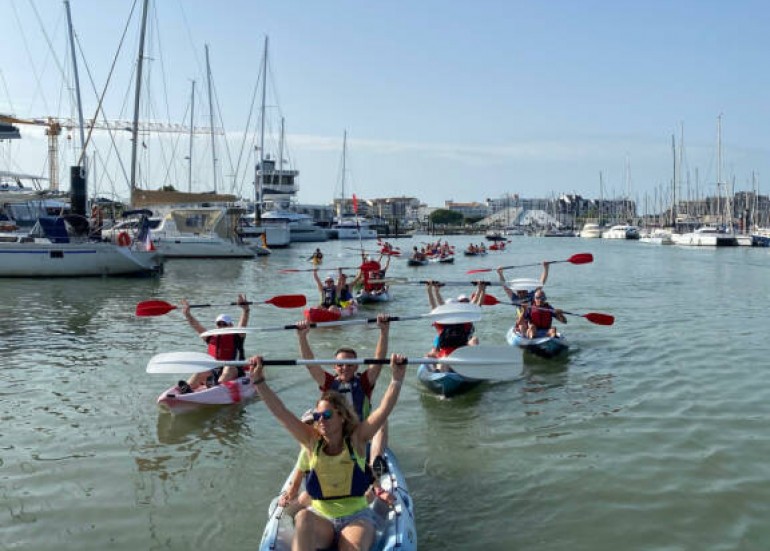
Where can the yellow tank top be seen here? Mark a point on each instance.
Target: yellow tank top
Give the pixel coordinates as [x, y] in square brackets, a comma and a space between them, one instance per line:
[335, 476]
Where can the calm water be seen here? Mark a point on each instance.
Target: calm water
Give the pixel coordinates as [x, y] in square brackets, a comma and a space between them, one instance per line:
[652, 434]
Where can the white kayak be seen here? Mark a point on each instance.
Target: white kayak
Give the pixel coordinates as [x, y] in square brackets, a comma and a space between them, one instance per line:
[396, 527]
[231, 392]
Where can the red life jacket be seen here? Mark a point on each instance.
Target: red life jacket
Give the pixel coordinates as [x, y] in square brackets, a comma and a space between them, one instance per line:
[541, 318]
[226, 347]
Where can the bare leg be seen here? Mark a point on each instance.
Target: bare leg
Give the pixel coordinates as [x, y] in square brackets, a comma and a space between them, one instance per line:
[356, 536]
[311, 532]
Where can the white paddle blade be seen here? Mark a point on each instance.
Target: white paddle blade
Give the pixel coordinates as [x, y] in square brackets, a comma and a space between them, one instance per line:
[524, 284]
[495, 363]
[457, 312]
[185, 362]
[227, 331]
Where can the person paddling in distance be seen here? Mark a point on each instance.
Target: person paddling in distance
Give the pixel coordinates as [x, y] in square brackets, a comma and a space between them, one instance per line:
[329, 291]
[540, 317]
[356, 387]
[522, 297]
[221, 347]
[317, 257]
[337, 481]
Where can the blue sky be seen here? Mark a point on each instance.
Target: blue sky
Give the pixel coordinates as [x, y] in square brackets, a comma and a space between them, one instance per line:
[440, 99]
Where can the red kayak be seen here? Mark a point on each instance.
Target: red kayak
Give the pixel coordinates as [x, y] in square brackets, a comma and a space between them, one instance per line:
[318, 315]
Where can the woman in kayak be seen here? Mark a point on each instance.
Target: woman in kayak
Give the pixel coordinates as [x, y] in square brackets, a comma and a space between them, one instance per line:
[337, 481]
[329, 291]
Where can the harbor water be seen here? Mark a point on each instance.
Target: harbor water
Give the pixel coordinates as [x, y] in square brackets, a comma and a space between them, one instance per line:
[651, 434]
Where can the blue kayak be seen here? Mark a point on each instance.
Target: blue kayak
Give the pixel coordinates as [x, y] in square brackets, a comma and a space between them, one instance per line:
[545, 347]
[366, 297]
[446, 383]
[396, 527]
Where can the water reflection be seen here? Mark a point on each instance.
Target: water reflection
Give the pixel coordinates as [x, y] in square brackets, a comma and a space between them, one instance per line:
[223, 424]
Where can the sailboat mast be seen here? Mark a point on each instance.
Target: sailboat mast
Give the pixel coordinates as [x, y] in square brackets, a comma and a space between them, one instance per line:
[192, 133]
[261, 172]
[673, 183]
[137, 95]
[719, 166]
[81, 160]
[280, 157]
[211, 119]
[344, 169]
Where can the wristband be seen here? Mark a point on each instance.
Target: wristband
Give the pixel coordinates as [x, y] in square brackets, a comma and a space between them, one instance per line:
[259, 381]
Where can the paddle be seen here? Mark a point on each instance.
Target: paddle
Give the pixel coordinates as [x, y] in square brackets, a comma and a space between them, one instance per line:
[447, 313]
[594, 317]
[406, 281]
[579, 258]
[199, 362]
[297, 271]
[161, 307]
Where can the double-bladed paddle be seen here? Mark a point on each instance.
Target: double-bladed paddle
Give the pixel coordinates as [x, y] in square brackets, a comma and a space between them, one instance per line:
[199, 362]
[447, 313]
[594, 317]
[579, 258]
[161, 307]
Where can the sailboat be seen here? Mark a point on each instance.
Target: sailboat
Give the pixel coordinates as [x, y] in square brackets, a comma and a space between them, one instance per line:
[350, 225]
[64, 246]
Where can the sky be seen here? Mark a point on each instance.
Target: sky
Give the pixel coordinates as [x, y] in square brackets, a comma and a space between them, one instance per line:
[440, 99]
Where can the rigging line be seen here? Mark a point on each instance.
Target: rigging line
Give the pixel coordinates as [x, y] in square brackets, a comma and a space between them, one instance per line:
[7, 91]
[20, 26]
[224, 133]
[246, 131]
[100, 98]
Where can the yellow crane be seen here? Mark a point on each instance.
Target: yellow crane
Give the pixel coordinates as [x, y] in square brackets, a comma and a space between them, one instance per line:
[55, 125]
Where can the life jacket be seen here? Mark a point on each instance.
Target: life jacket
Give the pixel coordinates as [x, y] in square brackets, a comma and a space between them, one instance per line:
[370, 270]
[453, 336]
[355, 394]
[345, 294]
[226, 347]
[337, 484]
[542, 318]
[329, 296]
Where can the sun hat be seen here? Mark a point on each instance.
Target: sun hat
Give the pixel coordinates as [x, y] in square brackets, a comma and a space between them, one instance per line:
[224, 318]
[329, 276]
[463, 298]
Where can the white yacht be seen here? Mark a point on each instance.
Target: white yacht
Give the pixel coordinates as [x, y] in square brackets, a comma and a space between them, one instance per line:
[270, 233]
[202, 232]
[591, 230]
[658, 236]
[302, 228]
[621, 231]
[353, 227]
[706, 236]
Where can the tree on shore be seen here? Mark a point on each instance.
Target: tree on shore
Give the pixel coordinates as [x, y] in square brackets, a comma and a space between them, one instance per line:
[446, 217]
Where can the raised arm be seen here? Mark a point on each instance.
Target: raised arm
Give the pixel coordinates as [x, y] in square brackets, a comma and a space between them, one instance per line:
[243, 303]
[377, 418]
[318, 374]
[429, 286]
[544, 275]
[478, 296]
[194, 323]
[373, 372]
[318, 281]
[303, 433]
[507, 289]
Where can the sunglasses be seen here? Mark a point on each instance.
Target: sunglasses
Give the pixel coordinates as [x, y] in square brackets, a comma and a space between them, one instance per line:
[221, 324]
[539, 297]
[326, 415]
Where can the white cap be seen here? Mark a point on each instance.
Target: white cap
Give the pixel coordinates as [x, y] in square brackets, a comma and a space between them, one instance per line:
[224, 318]
[463, 298]
[330, 275]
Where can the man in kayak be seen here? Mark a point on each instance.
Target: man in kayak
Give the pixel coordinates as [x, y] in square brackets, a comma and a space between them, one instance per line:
[539, 316]
[356, 387]
[317, 257]
[221, 347]
[522, 297]
[369, 270]
[454, 335]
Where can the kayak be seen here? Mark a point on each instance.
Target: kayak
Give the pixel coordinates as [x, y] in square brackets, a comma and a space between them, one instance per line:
[231, 392]
[445, 383]
[416, 262]
[449, 259]
[363, 297]
[474, 253]
[396, 526]
[545, 347]
[316, 314]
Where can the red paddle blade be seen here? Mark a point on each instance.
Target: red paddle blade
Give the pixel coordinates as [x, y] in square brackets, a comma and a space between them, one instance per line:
[479, 271]
[153, 308]
[289, 271]
[581, 258]
[489, 300]
[599, 319]
[288, 301]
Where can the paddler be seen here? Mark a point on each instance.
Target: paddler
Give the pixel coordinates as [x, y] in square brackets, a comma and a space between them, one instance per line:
[356, 387]
[540, 317]
[337, 479]
[522, 297]
[452, 336]
[329, 291]
[221, 347]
